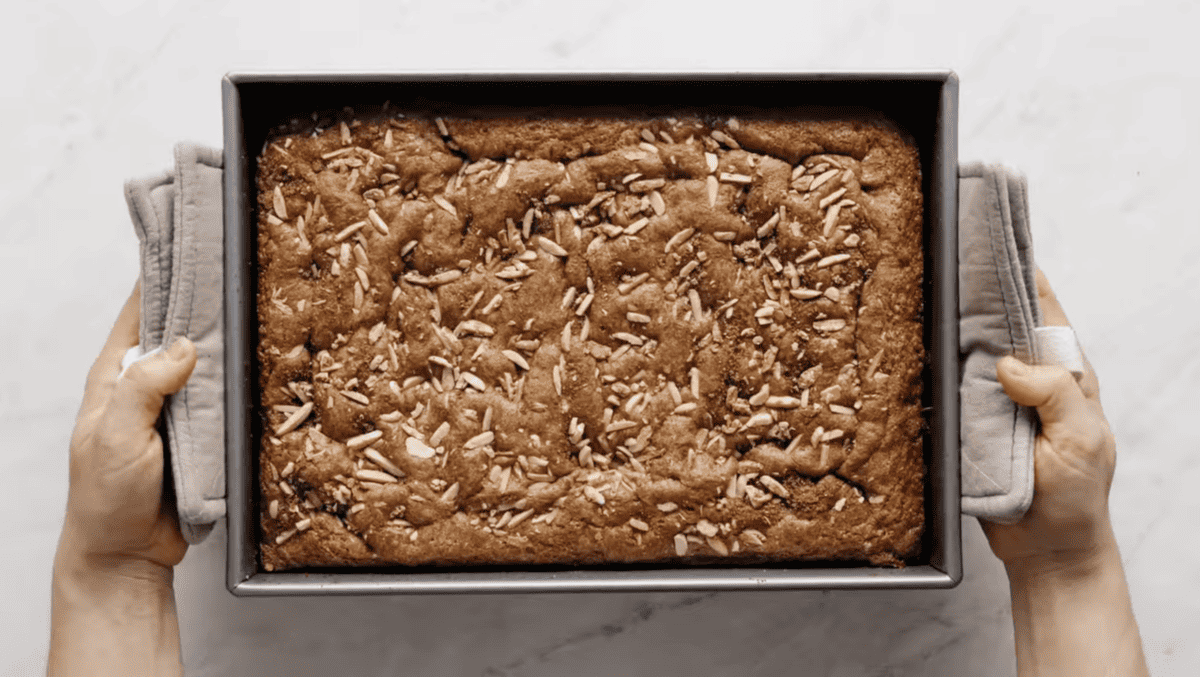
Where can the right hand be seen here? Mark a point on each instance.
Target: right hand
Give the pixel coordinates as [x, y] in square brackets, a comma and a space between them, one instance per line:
[1074, 460]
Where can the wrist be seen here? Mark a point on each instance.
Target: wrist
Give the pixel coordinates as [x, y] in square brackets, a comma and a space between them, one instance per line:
[1069, 564]
[74, 562]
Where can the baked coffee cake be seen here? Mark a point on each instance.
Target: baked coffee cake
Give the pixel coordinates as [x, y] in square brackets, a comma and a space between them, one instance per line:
[589, 341]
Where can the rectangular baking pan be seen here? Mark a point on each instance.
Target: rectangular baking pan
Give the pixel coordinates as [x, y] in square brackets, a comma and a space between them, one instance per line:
[925, 104]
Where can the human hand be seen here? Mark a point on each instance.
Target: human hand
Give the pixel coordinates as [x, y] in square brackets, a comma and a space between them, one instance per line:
[1067, 523]
[115, 508]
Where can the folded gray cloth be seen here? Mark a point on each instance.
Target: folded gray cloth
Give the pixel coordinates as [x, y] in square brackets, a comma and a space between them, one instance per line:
[998, 316]
[178, 218]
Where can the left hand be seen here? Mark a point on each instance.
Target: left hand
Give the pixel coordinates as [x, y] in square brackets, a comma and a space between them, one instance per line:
[115, 508]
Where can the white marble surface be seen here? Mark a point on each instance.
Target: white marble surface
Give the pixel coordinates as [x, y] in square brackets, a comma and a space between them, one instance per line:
[1096, 101]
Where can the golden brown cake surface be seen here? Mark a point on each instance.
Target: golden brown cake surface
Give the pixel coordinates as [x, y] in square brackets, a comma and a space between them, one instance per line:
[593, 341]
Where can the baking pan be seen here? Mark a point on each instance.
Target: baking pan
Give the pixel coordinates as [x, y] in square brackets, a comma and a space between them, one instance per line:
[925, 104]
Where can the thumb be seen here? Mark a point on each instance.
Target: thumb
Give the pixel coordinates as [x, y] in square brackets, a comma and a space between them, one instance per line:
[138, 396]
[1049, 388]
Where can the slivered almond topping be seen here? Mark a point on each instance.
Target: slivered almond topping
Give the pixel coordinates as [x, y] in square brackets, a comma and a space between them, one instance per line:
[772, 485]
[280, 205]
[817, 182]
[759, 398]
[516, 358]
[477, 328]
[637, 226]
[762, 418]
[443, 278]
[707, 528]
[681, 545]
[550, 247]
[638, 524]
[841, 503]
[379, 476]
[492, 305]
[418, 449]
[566, 336]
[593, 494]
[628, 338]
[831, 198]
[294, 420]
[626, 287]
[836, 324]
[440, 434]
[362, 278]
[481, 439]
[445, 204]
[657, 204]
[356, 397]
[729, 177]
[360, 256]
[710, 159]
[718, 546]
[832, 259]
[782, 402]
[810, 255]
[366, 439]
[831, 220]
[725, 236]
[722, 137]
[502, 181]
[685, 408]
[647, 185]
[584, 305]
[273, 508]
[631, 177]
[839, 409]
[439, 360]
[697, 309]
[832, 435]
[713, 186]
[474, 381]
[284, 536]
[450, 494]
[384, 462]
[441, 125]
[637, 317]
[676, 396]
[378, 222]
[678, 239]
[805, 294]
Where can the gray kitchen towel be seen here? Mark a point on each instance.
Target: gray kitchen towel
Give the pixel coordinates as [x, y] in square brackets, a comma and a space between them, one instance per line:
[998, 316]
[178, 216]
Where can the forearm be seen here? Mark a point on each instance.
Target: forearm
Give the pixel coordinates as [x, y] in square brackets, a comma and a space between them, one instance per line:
[1072, 618]
[112, 618]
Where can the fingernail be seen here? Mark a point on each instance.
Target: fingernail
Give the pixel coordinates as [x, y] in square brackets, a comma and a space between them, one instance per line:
[177, 349]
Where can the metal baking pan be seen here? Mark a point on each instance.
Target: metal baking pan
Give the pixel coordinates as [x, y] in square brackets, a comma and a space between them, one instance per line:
[925, 104]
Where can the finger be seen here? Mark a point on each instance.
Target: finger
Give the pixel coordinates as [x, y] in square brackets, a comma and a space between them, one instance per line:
[1054, 315]
[1049, 388]
[124, 335]
[1052, 311]
[138, 395]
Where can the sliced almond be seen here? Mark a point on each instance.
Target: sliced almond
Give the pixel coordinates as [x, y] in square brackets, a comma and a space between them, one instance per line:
[280, 205]
[359, 441]
[418, 449]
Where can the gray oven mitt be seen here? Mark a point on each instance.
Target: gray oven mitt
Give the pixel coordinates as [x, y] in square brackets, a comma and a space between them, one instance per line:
[178, 218]
[998, 316]
[179, 223]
